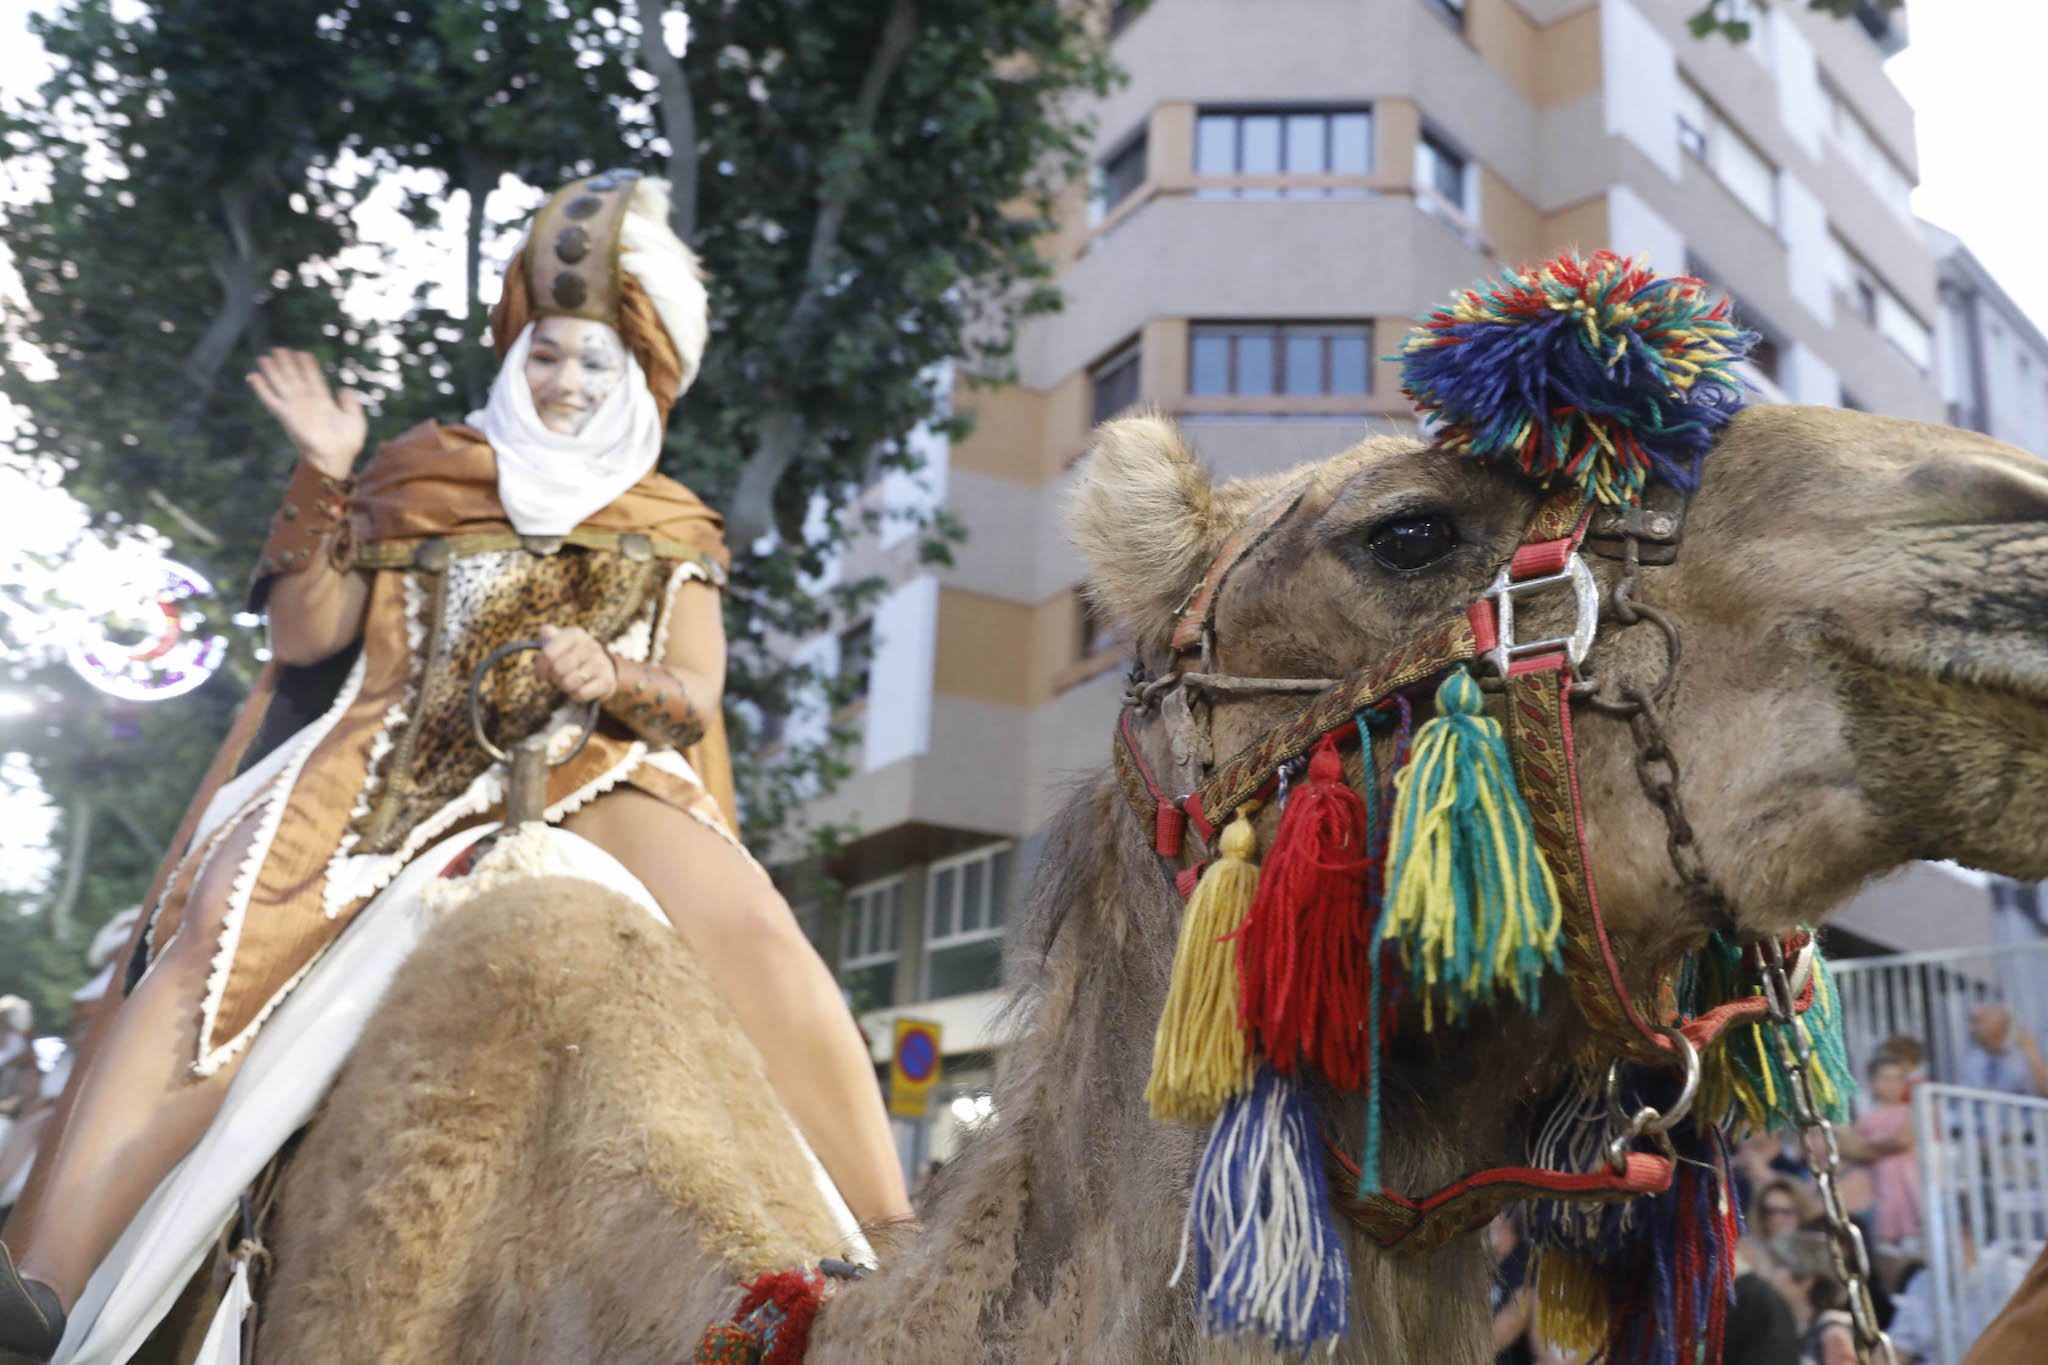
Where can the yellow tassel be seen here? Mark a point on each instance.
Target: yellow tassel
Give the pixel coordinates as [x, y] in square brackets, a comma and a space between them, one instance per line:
[1199, 1057]
[1572, 1304]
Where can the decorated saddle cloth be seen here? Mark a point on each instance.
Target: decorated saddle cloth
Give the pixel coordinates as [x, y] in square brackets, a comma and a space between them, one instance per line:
[286, 1074]
[367, 772]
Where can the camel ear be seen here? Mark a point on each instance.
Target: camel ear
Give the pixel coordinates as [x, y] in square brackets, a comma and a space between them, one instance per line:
[1144, 515]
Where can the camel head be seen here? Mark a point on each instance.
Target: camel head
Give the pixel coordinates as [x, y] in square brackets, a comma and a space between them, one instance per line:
[1863, 677]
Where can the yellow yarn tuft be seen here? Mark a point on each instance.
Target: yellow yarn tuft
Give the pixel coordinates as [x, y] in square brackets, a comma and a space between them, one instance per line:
[1572, 1304]
[1200, 1057]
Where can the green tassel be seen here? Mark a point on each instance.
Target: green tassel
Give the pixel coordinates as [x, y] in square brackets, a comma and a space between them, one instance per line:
[1743, 1078]
[1470, 900]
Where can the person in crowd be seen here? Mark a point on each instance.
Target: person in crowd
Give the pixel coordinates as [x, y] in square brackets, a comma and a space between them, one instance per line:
[2000, 1057]
[1803, 1273]
[1781, 1207]
[1759, 1159]
[1881, 1143]
[1908, 1052]
[1512, 1317]
[1985, 1281]
[1761, 1329]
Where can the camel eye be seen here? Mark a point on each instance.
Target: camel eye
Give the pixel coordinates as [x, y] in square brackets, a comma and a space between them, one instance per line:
[1411, 543]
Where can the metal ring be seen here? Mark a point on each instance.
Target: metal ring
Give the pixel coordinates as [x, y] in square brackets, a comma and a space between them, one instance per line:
[1647, 1119]
[476, 706]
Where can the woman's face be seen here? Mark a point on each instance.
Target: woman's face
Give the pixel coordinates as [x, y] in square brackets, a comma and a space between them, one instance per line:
[571, 367]
[1778, 1211]
[1888, 1083]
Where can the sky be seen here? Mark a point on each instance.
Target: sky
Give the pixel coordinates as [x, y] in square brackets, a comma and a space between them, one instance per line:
[1971, 71]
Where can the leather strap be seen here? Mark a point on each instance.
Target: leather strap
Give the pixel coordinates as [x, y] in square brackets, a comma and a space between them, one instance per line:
[434, 553]
[1198, 613]
[1417, 1226]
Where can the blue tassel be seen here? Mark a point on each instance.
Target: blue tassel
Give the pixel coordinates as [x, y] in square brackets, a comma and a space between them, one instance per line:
[1268, 1260]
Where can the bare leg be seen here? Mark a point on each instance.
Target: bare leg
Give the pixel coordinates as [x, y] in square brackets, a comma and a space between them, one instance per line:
[786, 999]
[139, 1108]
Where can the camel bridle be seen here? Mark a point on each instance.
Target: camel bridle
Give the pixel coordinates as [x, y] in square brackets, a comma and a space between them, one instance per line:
[1540, 681]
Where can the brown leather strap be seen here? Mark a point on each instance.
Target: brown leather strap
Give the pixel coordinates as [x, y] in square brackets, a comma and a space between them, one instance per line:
[434, 553]
[1199, 612]
[315, 507]
[653, 704]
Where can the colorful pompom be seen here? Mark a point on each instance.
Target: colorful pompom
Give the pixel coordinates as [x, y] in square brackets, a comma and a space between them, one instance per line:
[1592, 371]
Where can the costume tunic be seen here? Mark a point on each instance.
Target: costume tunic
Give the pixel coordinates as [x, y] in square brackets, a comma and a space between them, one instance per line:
[389, 767]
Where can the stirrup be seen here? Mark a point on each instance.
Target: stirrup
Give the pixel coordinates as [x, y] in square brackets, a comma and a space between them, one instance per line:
[31, 1318]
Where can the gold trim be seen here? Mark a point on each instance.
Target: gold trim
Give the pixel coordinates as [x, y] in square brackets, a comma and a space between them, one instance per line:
[634, 545]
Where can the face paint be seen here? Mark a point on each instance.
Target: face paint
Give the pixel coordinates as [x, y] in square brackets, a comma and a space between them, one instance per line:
[572, 366]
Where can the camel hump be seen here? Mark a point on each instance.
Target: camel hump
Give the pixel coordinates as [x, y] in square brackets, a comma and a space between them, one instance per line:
[551, 1142]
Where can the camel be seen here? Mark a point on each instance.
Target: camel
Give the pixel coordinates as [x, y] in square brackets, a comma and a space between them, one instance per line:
[551, 1144]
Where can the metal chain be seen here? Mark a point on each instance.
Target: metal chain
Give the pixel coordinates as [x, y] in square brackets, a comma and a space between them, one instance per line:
[1845, 1239]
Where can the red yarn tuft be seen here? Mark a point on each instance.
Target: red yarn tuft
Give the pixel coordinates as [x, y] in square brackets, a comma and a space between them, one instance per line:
[1305, 950]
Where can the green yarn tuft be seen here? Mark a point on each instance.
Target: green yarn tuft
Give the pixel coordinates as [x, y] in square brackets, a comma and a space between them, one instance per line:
[1470, 900]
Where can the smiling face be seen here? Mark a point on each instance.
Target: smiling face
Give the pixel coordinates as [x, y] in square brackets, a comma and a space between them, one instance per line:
[572, 366]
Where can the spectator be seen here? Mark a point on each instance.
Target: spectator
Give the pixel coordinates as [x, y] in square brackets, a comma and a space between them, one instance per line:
[2001, 1057]
[1759, 1159]
[1981, 1286]
[1782, 1206]
[1510, 1301]
[1803, 1272]
[1761, 1329]
[1882, 1142]
[1908, 1052]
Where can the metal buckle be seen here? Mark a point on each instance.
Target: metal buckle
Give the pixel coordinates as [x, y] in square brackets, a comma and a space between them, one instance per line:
[1586, 594]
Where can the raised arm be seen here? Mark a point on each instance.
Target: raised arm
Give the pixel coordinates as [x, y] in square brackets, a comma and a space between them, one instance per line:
[316, 608]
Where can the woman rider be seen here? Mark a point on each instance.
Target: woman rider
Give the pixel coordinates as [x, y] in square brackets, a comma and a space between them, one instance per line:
[543, 516]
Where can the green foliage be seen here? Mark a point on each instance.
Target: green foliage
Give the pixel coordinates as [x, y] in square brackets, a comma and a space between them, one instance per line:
[1721, 16]
[871, 183]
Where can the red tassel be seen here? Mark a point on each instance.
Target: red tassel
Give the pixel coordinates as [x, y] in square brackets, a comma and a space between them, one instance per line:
[1305, 950]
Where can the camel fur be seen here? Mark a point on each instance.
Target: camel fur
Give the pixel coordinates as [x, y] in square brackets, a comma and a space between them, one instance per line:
[554, 1145]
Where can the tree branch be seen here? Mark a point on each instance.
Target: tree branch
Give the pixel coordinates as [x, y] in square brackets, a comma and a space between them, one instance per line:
[478, 178]
[678, 119]
[233, 265]
[783, 434]
[59, 913]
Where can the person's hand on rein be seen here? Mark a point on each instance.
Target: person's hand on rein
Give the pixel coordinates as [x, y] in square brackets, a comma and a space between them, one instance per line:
[572, 659]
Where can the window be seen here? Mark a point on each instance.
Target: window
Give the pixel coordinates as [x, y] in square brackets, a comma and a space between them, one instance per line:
[1118, 177]
[1866, 300]
[1452, 10]
[1300, 360]
[1874, 17]
[1277, 142]
[1121, 12]
[867, 950]
[857, 658]
[1861, 149]
[1446, 183]
[966, 904]
[1097, 632]
[1767, 356]
[1709, 139]
[1115, 384]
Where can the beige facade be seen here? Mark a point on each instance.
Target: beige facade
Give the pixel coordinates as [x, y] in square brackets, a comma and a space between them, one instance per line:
[1281, 189]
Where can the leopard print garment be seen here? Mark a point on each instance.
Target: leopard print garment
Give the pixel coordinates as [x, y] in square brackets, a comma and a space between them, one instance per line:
[480, 602]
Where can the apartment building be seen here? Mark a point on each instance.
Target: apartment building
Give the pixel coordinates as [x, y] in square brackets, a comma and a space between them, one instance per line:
[1279, 191]
[1991, 360]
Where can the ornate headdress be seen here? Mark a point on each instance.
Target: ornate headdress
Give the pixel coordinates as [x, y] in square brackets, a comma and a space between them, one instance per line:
[601, 249]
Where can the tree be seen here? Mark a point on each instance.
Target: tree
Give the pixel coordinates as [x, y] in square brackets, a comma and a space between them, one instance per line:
[1726, 17]
[866, 184]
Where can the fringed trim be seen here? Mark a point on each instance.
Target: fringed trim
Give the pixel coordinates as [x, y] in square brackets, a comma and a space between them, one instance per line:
[520, 854]
[383, 743]
[274, 801]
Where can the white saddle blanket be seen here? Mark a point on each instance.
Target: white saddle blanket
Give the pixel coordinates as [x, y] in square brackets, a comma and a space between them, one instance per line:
[289, 1067]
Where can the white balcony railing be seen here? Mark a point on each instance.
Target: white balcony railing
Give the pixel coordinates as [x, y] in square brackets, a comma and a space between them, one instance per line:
[1929, 996]
[1983, 1159]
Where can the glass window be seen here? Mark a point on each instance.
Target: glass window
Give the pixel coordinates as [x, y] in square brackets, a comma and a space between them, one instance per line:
[1284, 142]
[1305, 362]
[1259, 145]
[1216, 144]
[857, 658]
[1350, 144]
[942, 902]
[1308, 144]
[1115, 384]
[1298, 359]
[867, 966]
[964, 950]
[1119, 176]
[1347, 365]
[1254, 363]
[1209, 363]
[1444, 170]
